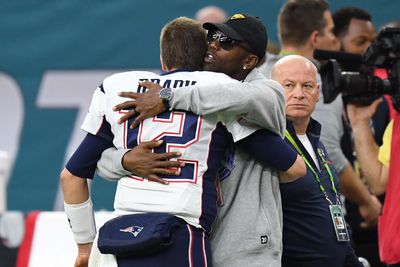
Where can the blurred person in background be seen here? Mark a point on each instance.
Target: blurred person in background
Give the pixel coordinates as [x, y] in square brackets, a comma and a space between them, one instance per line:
[355, 32]
[317, 33]
[382, 73]
[211, 14]
[380, 167]
[354, 29]
[314, 229]
[376, 162]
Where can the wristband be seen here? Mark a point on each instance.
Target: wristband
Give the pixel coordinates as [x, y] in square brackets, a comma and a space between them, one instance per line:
[81, 220]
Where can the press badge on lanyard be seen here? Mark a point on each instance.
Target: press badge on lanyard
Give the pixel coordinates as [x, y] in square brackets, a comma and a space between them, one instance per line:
[338, 221]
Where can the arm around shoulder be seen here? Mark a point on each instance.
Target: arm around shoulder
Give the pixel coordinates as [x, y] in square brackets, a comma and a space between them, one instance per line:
[259, 101]
[271, 150]
[297, 170]
[110, 165]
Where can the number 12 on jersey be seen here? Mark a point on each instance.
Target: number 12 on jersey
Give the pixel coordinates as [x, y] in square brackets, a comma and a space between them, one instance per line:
[179, 130]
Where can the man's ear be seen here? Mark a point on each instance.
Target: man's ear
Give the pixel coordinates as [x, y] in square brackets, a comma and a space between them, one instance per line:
[250, 62]
[318, 92]
[313, 39]
[163, 67]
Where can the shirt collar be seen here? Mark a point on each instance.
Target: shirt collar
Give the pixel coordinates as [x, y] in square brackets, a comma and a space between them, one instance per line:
[313, 130]
[173, 71]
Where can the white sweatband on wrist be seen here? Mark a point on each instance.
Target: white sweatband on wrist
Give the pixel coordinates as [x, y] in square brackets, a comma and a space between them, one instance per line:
[81, 220]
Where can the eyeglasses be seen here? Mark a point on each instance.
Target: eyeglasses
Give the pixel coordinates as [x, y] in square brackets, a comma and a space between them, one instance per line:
[224, 41]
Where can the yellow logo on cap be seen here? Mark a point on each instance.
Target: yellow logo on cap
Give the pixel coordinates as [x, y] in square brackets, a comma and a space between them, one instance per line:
[238, 16]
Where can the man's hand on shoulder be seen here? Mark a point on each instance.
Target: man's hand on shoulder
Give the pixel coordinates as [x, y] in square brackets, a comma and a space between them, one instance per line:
[370, 212]
[143, 106]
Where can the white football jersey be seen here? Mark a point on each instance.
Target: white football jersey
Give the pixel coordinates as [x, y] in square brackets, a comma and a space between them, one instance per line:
[202, 141]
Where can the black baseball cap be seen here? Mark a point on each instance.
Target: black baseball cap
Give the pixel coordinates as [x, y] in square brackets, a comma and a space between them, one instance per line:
[246, 28]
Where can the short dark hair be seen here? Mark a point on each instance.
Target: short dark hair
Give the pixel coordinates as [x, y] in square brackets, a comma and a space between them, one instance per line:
[343, 16]
[299, 18]
[183, 44]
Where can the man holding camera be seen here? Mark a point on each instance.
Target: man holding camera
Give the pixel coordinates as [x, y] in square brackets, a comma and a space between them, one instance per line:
[375, 162]
[355, 32]
[362, 116]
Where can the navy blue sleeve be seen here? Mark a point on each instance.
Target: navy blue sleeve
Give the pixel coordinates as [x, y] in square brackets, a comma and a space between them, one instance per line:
[270, 149]
[83, 162]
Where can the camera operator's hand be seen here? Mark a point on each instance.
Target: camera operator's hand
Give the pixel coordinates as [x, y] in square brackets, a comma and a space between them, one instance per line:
[361, 115]
[370, 212]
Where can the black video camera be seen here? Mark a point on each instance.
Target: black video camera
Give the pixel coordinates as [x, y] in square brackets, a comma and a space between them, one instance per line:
[353, 75]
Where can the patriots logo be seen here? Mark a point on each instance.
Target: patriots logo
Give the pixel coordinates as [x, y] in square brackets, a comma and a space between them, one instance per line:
[134, 230]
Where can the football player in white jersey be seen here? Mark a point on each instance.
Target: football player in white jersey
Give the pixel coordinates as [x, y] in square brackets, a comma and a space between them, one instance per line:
[201, 141]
